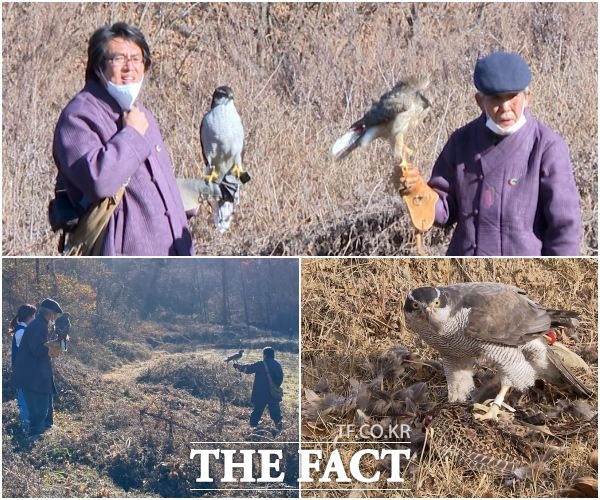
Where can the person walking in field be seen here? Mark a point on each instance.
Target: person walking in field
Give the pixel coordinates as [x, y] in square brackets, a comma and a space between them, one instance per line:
[105, 140]
[505, 179]
[266, 389]
[17, 327]
[32, 372]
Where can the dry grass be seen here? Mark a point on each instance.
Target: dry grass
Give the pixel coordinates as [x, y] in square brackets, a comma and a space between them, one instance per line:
[300, 76]
[352, 314]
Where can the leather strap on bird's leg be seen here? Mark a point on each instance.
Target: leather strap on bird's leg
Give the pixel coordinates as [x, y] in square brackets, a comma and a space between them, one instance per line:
[240, 174]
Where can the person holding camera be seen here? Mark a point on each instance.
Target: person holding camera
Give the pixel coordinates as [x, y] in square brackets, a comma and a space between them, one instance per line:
[33, 373]
[266, 390]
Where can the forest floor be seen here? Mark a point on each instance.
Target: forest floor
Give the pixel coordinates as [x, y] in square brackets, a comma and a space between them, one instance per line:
[126, 431]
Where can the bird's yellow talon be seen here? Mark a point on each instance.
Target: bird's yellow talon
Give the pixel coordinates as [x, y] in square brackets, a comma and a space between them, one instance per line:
[237, 171]
[489, 412]
[213, 176]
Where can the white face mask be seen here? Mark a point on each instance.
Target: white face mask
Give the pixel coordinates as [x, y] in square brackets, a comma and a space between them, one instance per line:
[497, 129]
[125, 94]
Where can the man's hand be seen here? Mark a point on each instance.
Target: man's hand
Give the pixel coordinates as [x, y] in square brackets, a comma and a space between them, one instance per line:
[137, 119]
[409, 179]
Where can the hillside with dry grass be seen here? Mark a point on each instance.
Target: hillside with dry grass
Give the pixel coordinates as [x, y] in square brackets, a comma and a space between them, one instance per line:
[125, 429]
[145, 375]
[301, 73]
[360, 365]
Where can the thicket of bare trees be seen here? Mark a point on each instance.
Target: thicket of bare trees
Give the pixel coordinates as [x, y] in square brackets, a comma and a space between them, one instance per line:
[244, 292]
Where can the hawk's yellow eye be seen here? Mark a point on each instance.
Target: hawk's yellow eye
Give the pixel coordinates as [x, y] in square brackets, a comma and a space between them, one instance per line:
[437, 302]
[414, 305]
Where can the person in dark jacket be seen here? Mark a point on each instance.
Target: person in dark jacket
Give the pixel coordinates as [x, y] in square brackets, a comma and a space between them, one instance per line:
[265, 392]
[19, 323]
[33, 368]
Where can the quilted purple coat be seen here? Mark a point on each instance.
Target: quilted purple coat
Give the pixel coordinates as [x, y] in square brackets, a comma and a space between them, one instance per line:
[95, 155]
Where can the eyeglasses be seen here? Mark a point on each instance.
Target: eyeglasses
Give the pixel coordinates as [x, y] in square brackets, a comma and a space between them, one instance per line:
[119, 60]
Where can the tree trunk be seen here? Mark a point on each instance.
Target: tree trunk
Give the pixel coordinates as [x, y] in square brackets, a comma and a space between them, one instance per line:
[226, 311]
[244, 297]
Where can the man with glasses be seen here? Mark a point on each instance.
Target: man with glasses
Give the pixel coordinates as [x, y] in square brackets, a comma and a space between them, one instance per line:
[105, 140]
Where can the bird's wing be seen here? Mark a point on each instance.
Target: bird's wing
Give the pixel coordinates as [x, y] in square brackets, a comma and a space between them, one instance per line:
[386, 109]
[500, 313]
[556, 357]
[397, 100]
[202, 143]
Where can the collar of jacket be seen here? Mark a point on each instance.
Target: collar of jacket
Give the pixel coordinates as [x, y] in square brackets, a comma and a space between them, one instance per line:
[489, 139]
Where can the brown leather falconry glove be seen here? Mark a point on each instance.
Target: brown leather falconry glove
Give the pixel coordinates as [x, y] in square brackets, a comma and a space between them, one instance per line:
[419, 197]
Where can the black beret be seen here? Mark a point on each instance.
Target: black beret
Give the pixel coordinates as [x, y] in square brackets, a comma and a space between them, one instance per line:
[501, 72]
[52, 305]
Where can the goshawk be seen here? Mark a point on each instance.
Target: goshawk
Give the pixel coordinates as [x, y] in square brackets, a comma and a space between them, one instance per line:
[494, 322]
[222, 138]
[235, 357]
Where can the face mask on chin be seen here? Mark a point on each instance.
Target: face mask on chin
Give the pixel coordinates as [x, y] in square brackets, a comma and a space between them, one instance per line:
[497, 129]
[125, 94]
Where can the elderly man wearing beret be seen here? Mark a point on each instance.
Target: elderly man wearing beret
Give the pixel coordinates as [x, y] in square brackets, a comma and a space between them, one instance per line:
[505, 179]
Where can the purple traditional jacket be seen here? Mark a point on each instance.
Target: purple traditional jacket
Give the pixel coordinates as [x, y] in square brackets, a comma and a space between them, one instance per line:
[516, 197]
[96, 155]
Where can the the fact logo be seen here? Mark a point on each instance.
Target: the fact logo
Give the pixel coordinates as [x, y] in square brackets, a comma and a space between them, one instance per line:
[270, 461]
[315, 465]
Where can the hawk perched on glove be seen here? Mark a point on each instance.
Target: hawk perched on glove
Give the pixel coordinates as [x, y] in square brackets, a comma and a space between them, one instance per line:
[389, 118]
[222, 139]
[235, 357]
[494, 322]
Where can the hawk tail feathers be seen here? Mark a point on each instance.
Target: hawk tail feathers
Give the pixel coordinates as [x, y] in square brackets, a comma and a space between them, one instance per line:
[346, 144]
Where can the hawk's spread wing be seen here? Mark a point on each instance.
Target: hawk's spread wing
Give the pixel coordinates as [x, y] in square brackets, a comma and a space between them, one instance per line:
[386, 109]
[500, 313]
